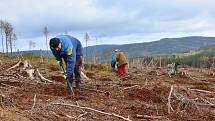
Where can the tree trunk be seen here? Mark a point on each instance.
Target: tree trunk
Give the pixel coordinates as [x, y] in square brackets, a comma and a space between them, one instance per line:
[11, 45]
[2, 39]
[6, 38]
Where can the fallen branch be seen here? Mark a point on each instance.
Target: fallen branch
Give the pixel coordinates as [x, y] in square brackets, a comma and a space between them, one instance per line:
[55, 114]
[206, 101]
[185, 101]
[68, 116]
[33, 103]
[194, 78]
[91, 109]
[130, 87]
[16, 65]
[133, 83]
[79, 105]
[81, 115]
[202, 104]
[41, 77]
[84, 76]
[169, 101]
[149, 117]
[199, 90]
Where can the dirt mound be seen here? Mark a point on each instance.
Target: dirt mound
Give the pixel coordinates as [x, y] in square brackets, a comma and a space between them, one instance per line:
[148, 95]
[58, 79]
[54, 68]
[55, 90]
[90, 75]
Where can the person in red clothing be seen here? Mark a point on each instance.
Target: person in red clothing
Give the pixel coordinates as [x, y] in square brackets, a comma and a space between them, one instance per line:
[122, 62]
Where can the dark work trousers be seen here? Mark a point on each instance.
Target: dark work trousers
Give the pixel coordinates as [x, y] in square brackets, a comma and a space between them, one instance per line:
[76, 71]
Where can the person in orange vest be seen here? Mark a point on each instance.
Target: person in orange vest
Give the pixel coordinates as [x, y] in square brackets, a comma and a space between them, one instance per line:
[122, 62]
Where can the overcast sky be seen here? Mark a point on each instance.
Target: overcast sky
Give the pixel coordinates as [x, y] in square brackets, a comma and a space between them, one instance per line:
[108, 21]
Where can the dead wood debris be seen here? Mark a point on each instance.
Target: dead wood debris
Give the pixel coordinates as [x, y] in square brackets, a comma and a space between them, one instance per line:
[185, 101]
[150, 117]
[91, 109]
[169, 101]
[130, 87]
[26, 68]
[199, 90]
[14, 66]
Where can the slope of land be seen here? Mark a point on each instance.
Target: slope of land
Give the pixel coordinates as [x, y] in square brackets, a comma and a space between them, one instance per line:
[143, 95]
[162, 46]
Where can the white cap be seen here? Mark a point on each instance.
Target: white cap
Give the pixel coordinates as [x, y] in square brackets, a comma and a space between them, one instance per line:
[116, 50]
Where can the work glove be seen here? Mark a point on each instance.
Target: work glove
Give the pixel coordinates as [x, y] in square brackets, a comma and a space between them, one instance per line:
[65, 77]
[60, 63]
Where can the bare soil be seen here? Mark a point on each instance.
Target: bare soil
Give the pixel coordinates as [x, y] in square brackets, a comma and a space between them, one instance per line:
[142, 95]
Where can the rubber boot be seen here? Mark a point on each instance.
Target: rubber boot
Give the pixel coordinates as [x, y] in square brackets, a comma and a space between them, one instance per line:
[69, 83]
[78, 84]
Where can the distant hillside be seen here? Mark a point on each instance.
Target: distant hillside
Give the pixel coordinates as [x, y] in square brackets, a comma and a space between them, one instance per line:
[208, 51]
[163, 46]
[35, 52]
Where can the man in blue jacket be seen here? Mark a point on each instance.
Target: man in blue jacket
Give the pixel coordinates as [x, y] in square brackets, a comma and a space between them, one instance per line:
[70, 49]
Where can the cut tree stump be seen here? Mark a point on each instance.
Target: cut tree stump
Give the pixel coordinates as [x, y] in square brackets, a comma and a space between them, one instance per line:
[26, 68]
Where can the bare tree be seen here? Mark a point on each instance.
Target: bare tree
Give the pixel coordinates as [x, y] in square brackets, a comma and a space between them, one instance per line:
[41, 56]
[46, 35]
[8, 29]
[31, 45]
[2, 37]
[14, 38]
[86, 38]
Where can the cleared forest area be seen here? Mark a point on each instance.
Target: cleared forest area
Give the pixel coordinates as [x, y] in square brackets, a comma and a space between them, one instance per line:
[145, 94]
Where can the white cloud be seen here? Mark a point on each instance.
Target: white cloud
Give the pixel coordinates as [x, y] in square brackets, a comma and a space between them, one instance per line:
[112, 21]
